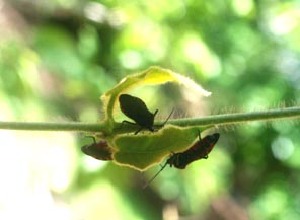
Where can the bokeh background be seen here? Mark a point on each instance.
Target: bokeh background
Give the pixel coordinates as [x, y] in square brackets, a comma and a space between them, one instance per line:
[57, 57]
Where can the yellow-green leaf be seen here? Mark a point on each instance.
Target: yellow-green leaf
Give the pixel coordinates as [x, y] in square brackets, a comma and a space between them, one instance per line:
[151, 76]
[145, 150]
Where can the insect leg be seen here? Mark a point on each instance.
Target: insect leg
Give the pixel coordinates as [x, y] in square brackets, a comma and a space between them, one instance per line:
[128, 122]
[132, 123]
[199, 132]
[90, 136]
[141, 128]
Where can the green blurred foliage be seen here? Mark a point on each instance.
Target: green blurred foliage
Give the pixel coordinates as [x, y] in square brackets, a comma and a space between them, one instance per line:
[58, 57]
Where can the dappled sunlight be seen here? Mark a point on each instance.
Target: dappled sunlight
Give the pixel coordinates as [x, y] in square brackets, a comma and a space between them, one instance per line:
[91, 165]
[283, 148]
[196, 52]
[102, 201]
[34, 168]
[243, 8]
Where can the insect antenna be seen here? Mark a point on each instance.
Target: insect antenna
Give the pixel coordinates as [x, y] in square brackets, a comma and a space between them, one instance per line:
[168, 118]
[146, 185]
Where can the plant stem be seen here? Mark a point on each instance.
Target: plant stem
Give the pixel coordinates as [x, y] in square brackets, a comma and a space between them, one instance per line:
[43, 126]
[216, 120]
[226, 119]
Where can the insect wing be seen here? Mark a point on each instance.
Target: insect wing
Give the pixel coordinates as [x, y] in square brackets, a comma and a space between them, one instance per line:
[179, 160]
[99, 150]
[207, 144]
[198, 151]
[136, 109]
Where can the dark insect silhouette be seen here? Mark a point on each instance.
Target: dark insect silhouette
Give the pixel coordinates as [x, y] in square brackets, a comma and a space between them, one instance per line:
[99, 150]
[136, 109]
[199, 150]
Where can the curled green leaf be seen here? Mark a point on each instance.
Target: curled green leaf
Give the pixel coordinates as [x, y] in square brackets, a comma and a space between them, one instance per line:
[151, 76]
[142, 151]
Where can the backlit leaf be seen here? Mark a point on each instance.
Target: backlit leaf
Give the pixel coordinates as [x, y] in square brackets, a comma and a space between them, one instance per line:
[142, 151]
[151, 76]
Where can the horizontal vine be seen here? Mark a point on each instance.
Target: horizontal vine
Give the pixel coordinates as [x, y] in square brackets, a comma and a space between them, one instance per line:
[213, 120]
